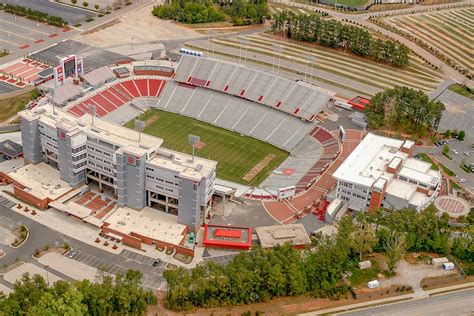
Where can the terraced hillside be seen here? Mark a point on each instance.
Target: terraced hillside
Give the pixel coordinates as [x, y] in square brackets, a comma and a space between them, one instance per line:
[450, 32]
[260, 48]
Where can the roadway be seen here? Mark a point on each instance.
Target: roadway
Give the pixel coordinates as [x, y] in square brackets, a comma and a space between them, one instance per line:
[452, 303]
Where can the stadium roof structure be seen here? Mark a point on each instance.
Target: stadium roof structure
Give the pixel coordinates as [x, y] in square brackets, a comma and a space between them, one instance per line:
[99, 75]
[62, 94]
[277, 235]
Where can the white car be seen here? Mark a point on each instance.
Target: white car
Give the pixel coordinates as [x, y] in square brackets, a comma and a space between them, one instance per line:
[462, 180]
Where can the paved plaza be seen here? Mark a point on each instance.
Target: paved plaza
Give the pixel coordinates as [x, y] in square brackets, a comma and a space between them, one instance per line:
[17, 273]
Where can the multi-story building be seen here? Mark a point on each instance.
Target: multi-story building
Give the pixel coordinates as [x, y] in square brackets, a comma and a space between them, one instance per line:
[128, 165]
[381, 172]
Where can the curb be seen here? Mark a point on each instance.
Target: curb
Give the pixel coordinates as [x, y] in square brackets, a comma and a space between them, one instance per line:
[24, 240]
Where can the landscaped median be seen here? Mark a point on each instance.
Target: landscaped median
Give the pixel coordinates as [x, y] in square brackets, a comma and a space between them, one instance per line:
[21, 233]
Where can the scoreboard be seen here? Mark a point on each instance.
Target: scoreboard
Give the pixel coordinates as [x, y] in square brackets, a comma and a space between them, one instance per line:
[69, 66]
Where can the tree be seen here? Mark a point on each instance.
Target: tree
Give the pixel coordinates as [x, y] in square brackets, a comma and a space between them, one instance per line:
[461, 135]
[406, 109]
[446, 149]
[363, 238]
[394, 246]
[97, 6]
[85, 4]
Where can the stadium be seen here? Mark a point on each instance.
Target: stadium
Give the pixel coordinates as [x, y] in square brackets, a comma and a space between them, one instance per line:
[261, 129]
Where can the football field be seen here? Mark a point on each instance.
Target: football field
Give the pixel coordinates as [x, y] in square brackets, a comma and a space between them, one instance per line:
[236, 155]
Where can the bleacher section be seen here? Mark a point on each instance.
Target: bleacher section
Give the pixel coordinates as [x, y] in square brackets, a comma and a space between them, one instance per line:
[115, 96]
[236, 114]
[298, 99]
[331, 151]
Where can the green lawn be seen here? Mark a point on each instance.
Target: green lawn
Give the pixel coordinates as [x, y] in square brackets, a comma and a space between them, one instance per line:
[235, 154]
[13, 105]
[446, 170]
[461, 90]
[427, 159]
[361, 277]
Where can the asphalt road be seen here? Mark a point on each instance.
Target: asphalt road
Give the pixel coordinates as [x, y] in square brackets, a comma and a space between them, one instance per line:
[452, 303]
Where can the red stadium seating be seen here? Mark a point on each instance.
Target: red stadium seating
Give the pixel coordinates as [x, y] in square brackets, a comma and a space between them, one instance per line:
[154, 86]
[106, 105]
[131, 88]
[108, 94]
[142, 85]
[109, 100]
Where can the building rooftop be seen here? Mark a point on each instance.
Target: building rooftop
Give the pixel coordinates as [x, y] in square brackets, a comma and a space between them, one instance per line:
[40, 180]
[183, 164]
[368, 160]
[99, 75]
[271, 236]
[96, 128]
[10, 148]
[401, 189]
[149, 223]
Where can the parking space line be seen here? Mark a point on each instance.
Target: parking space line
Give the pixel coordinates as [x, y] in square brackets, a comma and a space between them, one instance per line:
[24, 27]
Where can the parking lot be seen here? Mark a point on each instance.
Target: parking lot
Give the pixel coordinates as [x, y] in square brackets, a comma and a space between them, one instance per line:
[71, 14]
[17, 34]
[224, 260]
[151, 281]
[460, 152]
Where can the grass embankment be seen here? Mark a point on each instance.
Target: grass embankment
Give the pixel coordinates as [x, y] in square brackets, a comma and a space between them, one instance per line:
[427, 159]
[235, 154]
[12, 105]
[462, 90]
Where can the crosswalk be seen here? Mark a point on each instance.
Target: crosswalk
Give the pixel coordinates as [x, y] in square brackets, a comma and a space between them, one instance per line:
[7, 222]
[6, 202]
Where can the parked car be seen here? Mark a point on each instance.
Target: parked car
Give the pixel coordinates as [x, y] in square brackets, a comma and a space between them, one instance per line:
[155, 263]
[72, 254]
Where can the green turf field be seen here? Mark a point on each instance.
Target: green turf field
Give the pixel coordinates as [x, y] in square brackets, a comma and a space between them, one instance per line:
[235, 154]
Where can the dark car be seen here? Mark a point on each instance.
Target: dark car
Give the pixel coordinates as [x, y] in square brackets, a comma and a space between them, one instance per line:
[155, 263]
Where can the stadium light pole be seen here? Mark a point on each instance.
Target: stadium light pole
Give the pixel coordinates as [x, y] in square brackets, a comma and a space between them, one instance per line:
[275, 49]
[280, 50]
[311, 61]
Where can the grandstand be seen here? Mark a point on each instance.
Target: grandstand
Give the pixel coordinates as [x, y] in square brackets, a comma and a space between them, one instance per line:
[235, 114]
[121, 92]
[217, 101]
[294, 98]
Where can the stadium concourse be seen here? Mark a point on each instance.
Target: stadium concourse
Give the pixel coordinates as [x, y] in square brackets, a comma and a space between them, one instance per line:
[312, 200]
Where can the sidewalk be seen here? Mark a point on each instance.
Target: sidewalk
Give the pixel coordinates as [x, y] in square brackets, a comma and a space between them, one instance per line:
[411, 296]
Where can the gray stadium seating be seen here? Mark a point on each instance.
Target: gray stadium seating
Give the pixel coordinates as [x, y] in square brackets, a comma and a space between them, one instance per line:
[233, 113]
[292, 97]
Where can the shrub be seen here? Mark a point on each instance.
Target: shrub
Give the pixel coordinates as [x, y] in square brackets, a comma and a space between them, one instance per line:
[85, 4]
[97, 7]
[73, 1]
